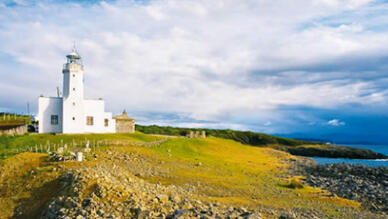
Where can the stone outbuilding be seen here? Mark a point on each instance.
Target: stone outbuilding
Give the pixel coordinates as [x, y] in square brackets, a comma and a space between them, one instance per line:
[124, 124]
[196, 134]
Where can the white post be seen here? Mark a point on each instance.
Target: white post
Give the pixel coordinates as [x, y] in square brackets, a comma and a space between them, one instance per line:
[79, 156]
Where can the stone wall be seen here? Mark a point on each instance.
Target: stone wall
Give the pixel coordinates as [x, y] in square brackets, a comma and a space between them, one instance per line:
[196, 134]
[125, 126]
[13, 130]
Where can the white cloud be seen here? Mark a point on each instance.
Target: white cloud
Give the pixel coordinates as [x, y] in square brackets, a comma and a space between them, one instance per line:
[336, 122]
[268, 123]
[198, 58]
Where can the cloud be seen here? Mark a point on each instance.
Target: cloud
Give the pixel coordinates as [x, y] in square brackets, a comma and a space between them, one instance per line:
[213, 63]
[335, 122]
[268, 123]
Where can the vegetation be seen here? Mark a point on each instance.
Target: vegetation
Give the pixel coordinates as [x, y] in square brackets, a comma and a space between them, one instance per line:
[292, 146]
[12, 145]
[7, 119]
[219, 169]
[245, 137]
[295, 183]
[332, 151]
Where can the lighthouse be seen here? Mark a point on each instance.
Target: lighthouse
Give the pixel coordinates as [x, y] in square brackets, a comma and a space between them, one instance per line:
[71, 112]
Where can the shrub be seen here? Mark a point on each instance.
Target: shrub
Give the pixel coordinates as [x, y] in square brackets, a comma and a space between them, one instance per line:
[295, 184]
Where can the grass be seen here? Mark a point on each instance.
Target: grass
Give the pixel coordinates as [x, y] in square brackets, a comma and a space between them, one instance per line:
[21, 184]
[13, 119]
[220, 169]
[233, 172]
[245, 137]
[12, 145]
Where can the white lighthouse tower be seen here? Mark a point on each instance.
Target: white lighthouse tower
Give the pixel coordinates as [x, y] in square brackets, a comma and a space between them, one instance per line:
[72, 113]
[73, 94]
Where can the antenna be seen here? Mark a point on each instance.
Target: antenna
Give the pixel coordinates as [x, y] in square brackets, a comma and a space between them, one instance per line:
[58, 92]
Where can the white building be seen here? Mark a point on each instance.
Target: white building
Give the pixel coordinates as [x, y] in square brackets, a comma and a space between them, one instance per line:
[71, 113]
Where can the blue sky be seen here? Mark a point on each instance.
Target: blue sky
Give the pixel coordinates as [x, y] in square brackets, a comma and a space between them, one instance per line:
[306, 68]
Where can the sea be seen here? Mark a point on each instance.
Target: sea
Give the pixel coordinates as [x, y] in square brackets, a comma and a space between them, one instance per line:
[376, 148]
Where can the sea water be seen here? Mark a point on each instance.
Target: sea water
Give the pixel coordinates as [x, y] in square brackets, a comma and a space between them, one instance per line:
[376, 148]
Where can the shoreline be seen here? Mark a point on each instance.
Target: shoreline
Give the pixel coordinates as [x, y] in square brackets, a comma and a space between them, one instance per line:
[359, 182]
[367, 162]
[332, 151]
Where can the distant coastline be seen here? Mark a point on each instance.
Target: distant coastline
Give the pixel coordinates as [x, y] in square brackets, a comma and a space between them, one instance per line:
[383, 149]
[292, 146]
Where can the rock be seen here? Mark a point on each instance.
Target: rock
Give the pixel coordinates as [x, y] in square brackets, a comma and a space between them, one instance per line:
[287, 215]
[175, 198]
[162, 198]
[356, 182]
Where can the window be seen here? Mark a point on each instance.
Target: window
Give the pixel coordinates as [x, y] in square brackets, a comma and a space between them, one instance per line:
[73, 118]
[89, 120]
[73, 75]
[73, 103]
[73, 88]
[54, 119]
[106, 122]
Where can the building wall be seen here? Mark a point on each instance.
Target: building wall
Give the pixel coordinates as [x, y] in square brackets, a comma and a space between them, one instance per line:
[111, 123]
[73, 115]
[96, 109]
[49, 106]
[125, 126]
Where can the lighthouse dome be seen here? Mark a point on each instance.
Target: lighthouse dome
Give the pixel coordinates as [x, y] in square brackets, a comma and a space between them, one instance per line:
[73, 55]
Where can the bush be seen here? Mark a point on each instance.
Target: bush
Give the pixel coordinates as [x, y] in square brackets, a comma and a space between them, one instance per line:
[295, 184]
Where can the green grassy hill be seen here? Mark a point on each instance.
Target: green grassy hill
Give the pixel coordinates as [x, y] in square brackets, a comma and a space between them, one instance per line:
[213, 170]
[293, 146]
[245, 137]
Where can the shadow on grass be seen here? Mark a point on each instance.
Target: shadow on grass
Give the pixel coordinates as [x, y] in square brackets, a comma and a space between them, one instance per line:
[32, 207]
[293, 184]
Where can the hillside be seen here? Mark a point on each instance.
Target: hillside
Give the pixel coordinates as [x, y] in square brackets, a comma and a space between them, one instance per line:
[140, 176]
[292, 146]
[245, 137]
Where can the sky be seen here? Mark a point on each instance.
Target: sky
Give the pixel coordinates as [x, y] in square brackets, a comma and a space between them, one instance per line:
[313, 69]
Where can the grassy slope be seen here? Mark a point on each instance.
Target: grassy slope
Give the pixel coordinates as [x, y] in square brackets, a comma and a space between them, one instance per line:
[293, 146]
[11, 145]
[233, 172]
[245, 137]
[229, 172]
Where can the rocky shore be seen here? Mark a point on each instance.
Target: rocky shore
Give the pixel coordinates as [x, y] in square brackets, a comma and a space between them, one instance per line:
[368, 185]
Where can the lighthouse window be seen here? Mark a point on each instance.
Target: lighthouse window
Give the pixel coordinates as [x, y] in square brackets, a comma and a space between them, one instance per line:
[73, 103]
[54, 119]
[106, 122]
[89, 120]
[73, 75]
[73, 88]
[73, 118]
